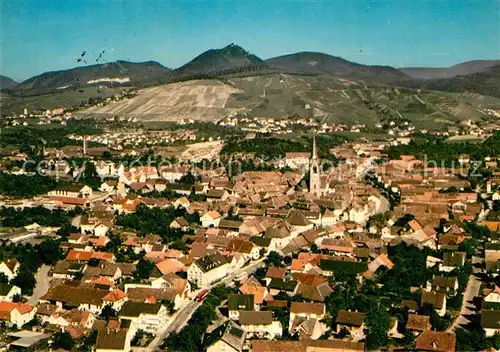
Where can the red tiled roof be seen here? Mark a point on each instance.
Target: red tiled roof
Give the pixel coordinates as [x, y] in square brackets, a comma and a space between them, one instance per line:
[69, 200]
[436, 341]
[114, 296]
[275, 273]
[86, 256]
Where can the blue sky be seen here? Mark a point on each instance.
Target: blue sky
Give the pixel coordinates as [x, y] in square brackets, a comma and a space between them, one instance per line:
[45, 35]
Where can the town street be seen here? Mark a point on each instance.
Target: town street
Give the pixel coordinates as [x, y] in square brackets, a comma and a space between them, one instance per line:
[42, 284]
[181, 317]
[249, 269]
[471, 291]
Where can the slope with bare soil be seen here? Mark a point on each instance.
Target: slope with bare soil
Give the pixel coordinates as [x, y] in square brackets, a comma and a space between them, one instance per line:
[197, 100]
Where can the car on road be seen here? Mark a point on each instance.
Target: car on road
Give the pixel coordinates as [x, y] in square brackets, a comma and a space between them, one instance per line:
[201, 295]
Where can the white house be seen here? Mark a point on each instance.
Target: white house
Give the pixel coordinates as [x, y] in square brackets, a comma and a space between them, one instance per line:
[490, 322]
[72, 191]
[329, 218]
[181, 202]
[306, 317]
[307, 310]
[7, 292]
[16, 314]
[493, 296]
[354, 322]
[101, 230]
[10, 268]
[172, 174]
[179, 223]
[115, 299]
[496, 196]
[208, 269]
[298, 160]
[211, 218]
[232, 340]
[260, 324]
[432, 261]
[436, 300]
[108, 186]
[452, 260]
[444, 284]
[359, 214]
[106, 169]
[298, 224]
[145, 316]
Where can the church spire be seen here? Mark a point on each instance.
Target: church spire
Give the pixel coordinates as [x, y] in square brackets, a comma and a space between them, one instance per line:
[314, 175]
[315, 152]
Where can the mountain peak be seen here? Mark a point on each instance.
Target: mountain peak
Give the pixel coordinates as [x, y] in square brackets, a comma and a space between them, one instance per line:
[230, 57]
[85, 75]
[234, 50]
[307, 62]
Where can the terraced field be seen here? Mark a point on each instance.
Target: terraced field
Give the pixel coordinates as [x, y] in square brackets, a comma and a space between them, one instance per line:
[198, 100]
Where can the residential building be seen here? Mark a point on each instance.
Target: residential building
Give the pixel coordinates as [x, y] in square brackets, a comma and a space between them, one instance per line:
[239, 302]
[231, 341]
[490, 321]
[436, 300]
[145, 316]
[353, 322]
[16, 314]
[8, 292]
[452, 261]
[113, 340]
[208, 269]
[9, 267]
[439, 341]
[260, 324]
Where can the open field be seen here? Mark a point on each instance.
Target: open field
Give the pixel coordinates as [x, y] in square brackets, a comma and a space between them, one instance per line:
[192, 152]
[204, 150]
[197, 100]
[468, 138]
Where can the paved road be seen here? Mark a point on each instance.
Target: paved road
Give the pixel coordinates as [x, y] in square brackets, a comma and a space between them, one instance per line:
[251, 268]
[471, 291]
[42, 284]
[181, 317]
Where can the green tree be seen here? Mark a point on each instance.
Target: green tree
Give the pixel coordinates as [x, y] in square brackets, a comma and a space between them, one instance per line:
[143, 269]
[62, 340]
[188, 179]
[50, 251]
[108, 312]
[89, 341]
[3, 278]
[179, 245]
[26, 281]
[274, 259]
[378, 322]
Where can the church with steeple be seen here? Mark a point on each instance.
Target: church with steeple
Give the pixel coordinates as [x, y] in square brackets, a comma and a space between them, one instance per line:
[314, 171]
[319, 185]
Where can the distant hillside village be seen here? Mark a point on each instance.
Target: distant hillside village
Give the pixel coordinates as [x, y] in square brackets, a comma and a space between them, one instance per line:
[396, 127]
[111, 241]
